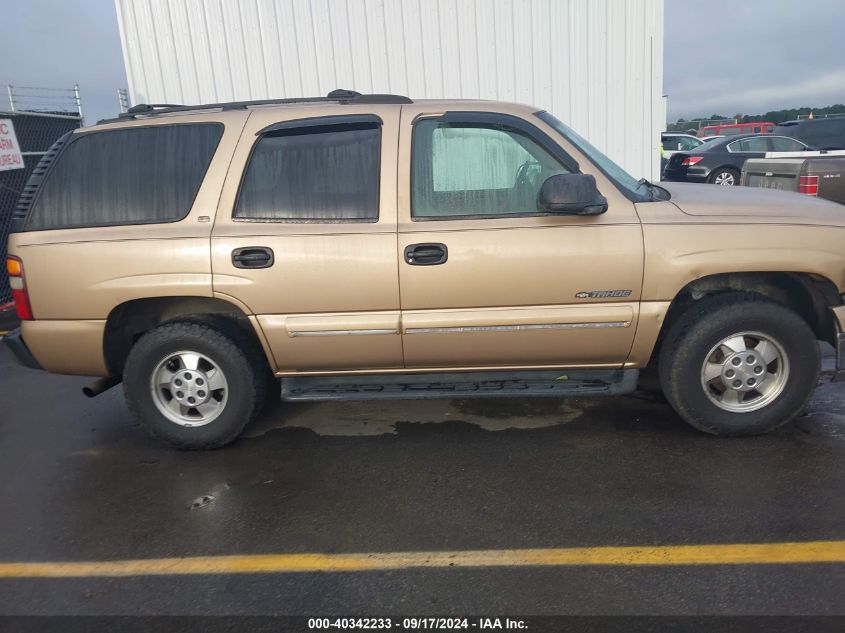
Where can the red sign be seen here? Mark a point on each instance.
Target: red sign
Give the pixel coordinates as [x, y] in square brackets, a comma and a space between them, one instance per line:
[10, 151]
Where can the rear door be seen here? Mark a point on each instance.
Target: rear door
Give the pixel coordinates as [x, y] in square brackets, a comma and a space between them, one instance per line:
[486, 280]
[305, 236]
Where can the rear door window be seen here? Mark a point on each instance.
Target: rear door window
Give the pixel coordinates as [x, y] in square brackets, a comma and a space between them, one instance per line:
[136, 175]
[314, 173]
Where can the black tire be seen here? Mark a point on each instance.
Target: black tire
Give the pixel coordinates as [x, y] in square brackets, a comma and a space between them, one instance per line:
[725, 172]
[244, 369]
[702, 327]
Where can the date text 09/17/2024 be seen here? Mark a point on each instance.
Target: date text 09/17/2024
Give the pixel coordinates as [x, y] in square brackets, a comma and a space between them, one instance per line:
[416, 624]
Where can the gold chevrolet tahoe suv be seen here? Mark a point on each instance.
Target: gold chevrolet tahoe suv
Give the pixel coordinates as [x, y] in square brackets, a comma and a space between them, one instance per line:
[370, 246]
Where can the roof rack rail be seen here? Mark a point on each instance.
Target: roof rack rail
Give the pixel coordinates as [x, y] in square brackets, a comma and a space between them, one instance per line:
[143, 108]
[340, 96]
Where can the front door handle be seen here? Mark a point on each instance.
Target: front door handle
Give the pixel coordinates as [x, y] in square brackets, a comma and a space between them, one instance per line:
[252, 257]
[429, 254]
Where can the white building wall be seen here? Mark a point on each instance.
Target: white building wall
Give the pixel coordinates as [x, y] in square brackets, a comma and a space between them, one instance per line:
[595, 64]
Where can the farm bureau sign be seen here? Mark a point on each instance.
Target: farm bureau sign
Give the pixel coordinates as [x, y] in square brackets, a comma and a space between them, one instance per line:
[10, 151]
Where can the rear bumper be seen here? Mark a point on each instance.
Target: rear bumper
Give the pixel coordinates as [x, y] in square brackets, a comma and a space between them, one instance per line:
[695, 174]
[14, 342]
[8, 318]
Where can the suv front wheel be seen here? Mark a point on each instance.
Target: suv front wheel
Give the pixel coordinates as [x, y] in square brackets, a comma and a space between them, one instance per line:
[737, 364]
[192, 385]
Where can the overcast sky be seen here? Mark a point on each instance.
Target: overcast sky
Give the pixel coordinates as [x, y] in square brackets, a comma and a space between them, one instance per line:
[57, 43]
[753, 56]
[721, 56]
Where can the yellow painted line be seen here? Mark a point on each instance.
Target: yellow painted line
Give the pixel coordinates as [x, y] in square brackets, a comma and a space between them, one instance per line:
[727, 554]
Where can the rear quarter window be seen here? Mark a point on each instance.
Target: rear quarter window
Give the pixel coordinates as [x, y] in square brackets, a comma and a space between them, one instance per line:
[137, 175]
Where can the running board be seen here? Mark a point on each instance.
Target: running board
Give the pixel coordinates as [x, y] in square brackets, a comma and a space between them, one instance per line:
[583, 382]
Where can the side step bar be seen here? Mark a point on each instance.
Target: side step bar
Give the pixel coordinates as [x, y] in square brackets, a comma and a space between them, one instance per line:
[583, 382]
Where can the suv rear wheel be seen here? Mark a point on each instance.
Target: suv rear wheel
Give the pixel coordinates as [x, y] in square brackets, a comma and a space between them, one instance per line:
[737, 364]
[193, 385]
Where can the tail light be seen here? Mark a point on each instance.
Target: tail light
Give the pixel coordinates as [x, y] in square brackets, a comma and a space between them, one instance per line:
[808, 185]
[20, 295]
[691, 160]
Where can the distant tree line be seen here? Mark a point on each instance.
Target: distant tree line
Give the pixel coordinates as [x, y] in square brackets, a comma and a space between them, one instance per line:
[775, 116]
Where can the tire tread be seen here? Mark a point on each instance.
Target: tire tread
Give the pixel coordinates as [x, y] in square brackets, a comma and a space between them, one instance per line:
[721, 310]
[230, 344]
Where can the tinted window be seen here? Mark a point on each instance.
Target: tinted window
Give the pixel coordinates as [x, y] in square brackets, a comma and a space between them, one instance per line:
[757, 144]
[129, 176]
[477, 169]
[781, 144]
[313, 174]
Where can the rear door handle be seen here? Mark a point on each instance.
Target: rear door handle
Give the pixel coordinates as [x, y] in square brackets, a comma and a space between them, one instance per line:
[252, 257]
[429, 254]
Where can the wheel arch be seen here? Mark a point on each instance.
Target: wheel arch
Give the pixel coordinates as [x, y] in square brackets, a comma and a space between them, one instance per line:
[809, 295]
[715, 170]
[128, 321]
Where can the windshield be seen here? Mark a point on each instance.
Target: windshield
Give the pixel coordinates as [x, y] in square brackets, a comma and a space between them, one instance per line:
[636, 190]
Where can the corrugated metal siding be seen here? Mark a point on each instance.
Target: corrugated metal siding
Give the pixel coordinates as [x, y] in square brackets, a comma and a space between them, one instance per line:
[596, 64]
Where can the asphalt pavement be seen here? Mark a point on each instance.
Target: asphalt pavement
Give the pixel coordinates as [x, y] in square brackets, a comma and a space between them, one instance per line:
[81, 482]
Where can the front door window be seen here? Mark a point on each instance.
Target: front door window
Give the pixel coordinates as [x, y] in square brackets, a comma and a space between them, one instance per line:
[462, 170]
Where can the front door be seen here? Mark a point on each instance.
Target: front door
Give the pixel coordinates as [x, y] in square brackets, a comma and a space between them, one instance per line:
[305, 236]
[487, 280]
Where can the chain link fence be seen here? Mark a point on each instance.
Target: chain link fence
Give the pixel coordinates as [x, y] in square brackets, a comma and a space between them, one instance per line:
[36, 132]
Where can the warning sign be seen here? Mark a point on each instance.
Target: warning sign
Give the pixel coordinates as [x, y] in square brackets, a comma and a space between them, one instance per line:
[10, 151]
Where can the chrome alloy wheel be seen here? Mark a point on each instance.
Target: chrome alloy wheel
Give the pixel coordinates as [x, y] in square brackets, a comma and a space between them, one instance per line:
[189, 388]
[744, 372]
[725, 179]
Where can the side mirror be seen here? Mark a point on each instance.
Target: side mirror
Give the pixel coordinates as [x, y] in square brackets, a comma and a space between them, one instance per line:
[571, 194]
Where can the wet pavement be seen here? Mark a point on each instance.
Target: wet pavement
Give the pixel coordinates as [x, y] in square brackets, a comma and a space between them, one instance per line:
[79, 481]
